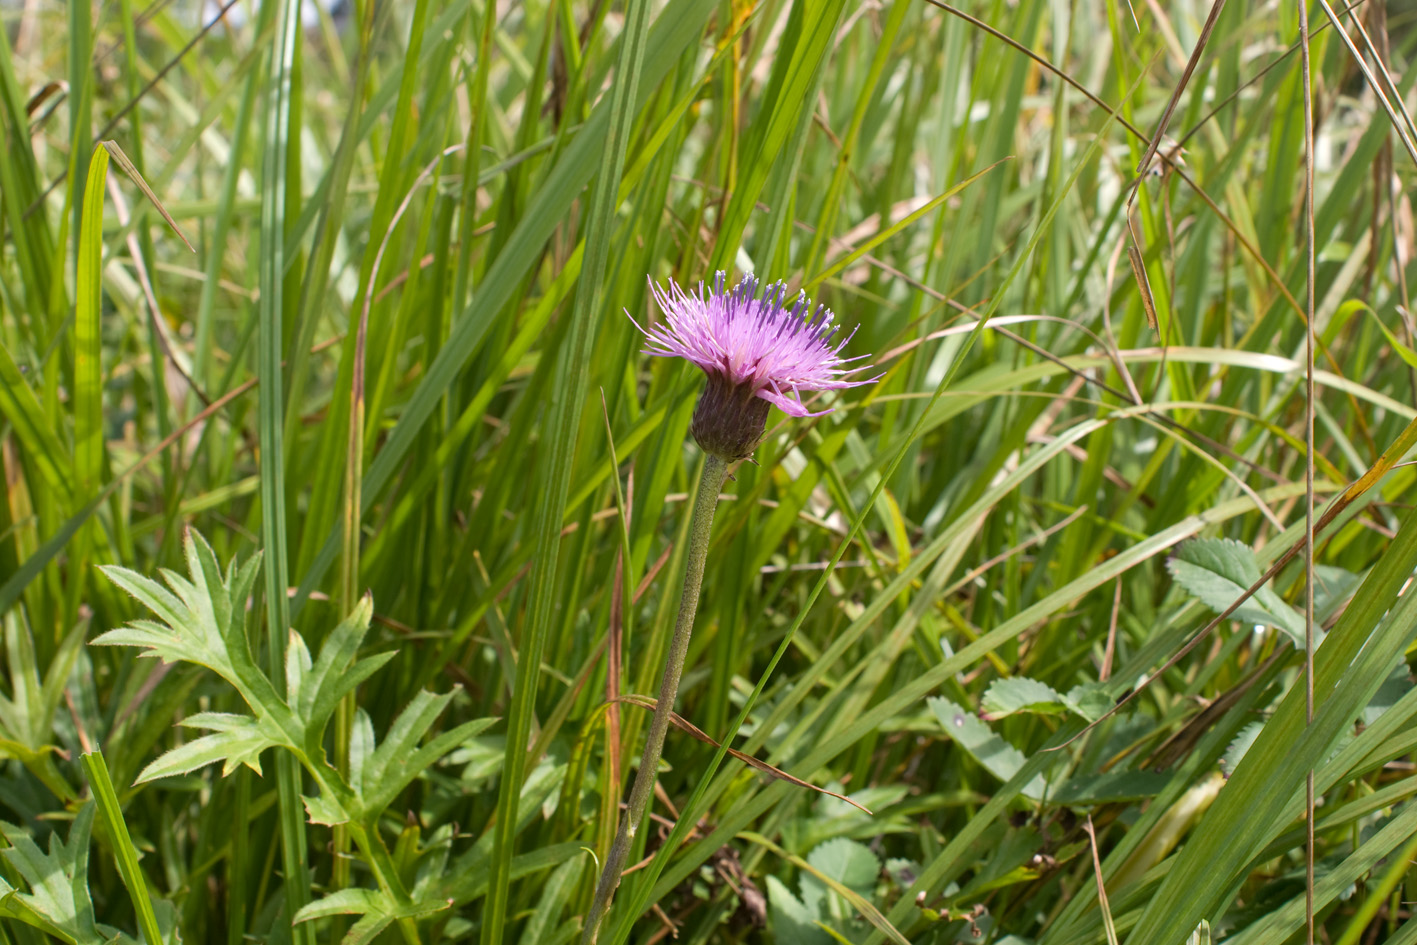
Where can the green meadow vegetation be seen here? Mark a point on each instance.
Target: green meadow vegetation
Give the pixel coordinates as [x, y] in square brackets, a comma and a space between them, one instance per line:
[316, 382]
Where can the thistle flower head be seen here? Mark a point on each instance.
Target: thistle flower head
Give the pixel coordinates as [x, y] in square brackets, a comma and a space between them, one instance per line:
[756, 350]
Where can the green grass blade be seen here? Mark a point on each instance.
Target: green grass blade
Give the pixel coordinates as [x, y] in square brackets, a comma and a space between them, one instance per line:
[278, 138]
[568, 400]
[123, 850]
[673, 31]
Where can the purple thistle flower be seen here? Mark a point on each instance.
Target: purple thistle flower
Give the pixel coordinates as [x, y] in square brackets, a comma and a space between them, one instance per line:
[755, 350]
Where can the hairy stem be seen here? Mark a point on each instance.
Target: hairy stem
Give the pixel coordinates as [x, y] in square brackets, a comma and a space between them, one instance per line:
[700, 526]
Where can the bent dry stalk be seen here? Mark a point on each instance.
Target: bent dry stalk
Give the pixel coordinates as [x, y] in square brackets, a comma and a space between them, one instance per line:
[757, 352]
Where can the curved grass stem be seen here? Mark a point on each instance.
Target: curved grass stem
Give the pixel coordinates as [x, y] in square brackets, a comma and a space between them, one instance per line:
[700, 526]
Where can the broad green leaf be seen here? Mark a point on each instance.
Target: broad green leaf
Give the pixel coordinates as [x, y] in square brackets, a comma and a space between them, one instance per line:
[1109, 788]
[1349, 668]
[1219, 570]
[791, 920]
[838, 880]
[997, 756]
[1020, 694]
[844, 861]
[1090, 700]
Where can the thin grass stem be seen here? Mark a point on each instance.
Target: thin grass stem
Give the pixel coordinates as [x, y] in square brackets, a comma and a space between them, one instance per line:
[714, 473]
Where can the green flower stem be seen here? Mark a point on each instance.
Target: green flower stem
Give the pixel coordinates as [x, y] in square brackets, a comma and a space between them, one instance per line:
[386, 874]
[700, 526]
[365, 834]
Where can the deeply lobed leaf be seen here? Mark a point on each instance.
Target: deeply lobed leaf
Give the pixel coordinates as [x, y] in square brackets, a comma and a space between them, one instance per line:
[237, 740]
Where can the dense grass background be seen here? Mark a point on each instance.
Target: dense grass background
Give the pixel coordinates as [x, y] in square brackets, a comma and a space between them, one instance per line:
[397, 361]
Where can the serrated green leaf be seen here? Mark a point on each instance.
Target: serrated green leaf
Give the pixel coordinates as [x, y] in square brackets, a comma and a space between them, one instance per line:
[149, 593]
[204, 623]
[202, 620]
[847, 862]
[58, 880]
[1238, 746]
[1109, 788]
[342, 683]
[401, 768]
[378, 909]
[1090, 700]
[791, 920]
[206, 572]
[842, 867]
[27, 714]
[12, 907]
[240, 580]
[237, 740]
[321, 693]
[1218, 570]
[162, 643]
[1006, 696]
[390, 759]
[997, 756]
[323, 809]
